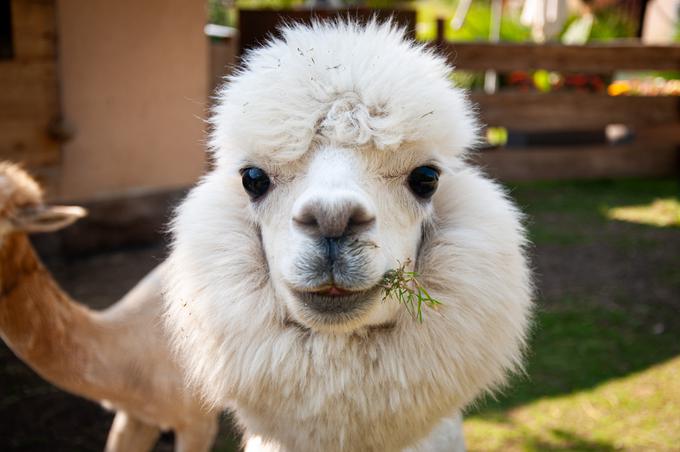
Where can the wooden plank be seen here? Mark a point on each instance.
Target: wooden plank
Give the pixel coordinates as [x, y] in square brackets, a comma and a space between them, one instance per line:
[31, 89]
[256, 25]
[27, 109]
[27, 142]
[639, 160]
[569, 110]
[35, 29]
[659, 134]
[29, 99]
[596, 58]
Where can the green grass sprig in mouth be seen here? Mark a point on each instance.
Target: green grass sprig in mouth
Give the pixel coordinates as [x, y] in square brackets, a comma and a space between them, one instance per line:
[406, 288]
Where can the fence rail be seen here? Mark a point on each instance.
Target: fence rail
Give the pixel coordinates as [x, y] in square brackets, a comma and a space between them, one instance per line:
[651, 149]
[593, 58]
[569, 110]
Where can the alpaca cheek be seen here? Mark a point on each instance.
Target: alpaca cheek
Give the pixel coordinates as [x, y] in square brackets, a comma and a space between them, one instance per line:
[277, 250]
[281, 245]
[399, 235]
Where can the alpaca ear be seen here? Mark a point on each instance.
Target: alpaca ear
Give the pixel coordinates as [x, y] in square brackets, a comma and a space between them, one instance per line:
[46, 218]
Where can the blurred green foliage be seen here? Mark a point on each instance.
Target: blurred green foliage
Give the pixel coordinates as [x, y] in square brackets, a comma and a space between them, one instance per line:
[610, 23]
[477, 22]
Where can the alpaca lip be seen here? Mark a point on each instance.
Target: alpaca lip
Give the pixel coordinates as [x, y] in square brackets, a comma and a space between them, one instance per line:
[333, 291]
[333, 300]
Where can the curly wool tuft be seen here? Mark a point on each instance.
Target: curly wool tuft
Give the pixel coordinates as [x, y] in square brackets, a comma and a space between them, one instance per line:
[344, 84]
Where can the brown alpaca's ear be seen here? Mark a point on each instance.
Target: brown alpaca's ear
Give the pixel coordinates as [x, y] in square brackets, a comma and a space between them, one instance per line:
[46, 218]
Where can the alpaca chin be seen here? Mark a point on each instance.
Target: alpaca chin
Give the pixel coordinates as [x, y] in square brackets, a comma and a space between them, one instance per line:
[341, 123]
[332, 315]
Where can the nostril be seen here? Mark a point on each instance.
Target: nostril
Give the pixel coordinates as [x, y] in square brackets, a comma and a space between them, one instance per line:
[306, 219]
[361, 217]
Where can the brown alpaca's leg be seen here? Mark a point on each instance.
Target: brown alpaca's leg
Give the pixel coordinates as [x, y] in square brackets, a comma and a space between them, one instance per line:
[129, 434]
[197, 437]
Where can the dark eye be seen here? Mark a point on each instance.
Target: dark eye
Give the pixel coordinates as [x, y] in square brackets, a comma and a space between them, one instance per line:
[423, 181]
[255, 181]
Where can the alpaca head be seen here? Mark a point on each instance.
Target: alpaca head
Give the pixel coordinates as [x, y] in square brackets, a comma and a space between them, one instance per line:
[340, 135]
[22, 208]
[340, 167]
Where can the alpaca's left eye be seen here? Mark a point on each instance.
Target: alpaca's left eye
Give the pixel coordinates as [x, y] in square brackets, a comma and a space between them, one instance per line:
[255, 181]
[423, 181]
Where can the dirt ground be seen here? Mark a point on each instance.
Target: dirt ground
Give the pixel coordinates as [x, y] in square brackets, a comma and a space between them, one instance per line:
[633, 266]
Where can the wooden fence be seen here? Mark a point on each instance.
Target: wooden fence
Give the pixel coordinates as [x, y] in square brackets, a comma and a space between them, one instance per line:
[29, 97]
[255, 25]
[654, 121]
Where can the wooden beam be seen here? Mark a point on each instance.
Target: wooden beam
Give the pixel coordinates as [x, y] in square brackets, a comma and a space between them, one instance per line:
[29, 102]
[35, 29]
[594, 58]
[32, 91]
[28, 142]
[638, 160]
[570, 110]
[257, 25]
[659, 134]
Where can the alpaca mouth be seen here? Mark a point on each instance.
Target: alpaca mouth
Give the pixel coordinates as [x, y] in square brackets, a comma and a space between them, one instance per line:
[336, 304]
[333, 291]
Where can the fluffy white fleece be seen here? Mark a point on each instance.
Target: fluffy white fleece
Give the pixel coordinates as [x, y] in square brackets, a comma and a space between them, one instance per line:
[373, 388]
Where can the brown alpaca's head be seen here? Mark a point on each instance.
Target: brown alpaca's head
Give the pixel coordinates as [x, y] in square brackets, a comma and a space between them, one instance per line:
[22, 208]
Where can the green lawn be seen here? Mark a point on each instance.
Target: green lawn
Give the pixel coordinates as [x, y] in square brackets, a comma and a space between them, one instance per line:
[603, 371]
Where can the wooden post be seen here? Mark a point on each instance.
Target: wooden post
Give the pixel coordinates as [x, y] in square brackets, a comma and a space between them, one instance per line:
[441, 36]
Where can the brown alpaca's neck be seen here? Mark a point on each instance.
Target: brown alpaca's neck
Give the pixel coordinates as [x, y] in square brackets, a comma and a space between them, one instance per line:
[17, 261]
[38, 320]
[35, 314]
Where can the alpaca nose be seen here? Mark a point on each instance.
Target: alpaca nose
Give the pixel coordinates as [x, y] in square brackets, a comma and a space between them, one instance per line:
[331, 218]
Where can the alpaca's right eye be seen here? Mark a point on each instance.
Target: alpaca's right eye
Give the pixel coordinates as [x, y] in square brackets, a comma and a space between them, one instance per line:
[255, 181]
[423, 181]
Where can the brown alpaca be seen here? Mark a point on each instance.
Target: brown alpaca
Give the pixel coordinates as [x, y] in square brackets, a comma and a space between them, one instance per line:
[119, 356]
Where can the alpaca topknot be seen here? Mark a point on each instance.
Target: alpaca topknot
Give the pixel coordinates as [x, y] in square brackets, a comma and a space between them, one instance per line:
[343, 84]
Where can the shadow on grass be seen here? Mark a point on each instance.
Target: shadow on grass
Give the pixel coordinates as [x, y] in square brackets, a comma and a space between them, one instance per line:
[610, 309]
[576, 346]
[588, 197]
[582, 339]
[549, 439]
[565, 212]
[569, 442]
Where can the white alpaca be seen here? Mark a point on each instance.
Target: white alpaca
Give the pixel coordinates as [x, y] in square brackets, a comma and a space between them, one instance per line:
[339, 156]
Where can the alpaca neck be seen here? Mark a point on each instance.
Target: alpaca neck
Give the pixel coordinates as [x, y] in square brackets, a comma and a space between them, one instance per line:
[17, 261]
[39, 322]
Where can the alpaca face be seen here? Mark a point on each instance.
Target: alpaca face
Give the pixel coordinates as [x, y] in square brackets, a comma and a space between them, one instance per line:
[334, 223]
[327, 139]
